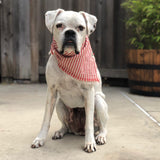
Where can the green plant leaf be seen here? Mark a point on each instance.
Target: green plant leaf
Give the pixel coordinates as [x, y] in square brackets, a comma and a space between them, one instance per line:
[143, 23]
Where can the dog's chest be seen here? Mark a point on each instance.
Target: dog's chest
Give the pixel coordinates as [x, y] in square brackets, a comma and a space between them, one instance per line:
[71, 93]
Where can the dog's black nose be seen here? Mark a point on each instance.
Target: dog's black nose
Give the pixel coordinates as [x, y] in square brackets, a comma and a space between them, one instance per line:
[70, 33]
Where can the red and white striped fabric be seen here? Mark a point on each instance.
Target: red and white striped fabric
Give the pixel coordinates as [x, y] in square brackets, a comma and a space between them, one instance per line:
[80, 66]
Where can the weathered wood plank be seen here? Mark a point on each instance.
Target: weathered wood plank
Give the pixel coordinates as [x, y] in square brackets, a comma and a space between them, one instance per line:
[114, 73]
[34, 39]
[119, 35]
[15, 6]
[6, 41]
[41, 33]
[70, 7]
[98, 34]
[107, 59]
[92, 10]
[24, 41]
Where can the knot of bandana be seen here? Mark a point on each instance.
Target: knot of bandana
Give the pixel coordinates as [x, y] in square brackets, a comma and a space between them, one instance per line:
[80, 66]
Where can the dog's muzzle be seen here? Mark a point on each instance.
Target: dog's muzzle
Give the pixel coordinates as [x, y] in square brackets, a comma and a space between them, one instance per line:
[69, 41]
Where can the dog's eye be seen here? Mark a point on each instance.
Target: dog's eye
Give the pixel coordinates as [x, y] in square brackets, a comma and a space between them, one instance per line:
[59, 25]
[81, 28]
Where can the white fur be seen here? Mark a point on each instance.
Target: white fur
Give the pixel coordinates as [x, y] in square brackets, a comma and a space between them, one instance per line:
[65, 90]
[50, 18]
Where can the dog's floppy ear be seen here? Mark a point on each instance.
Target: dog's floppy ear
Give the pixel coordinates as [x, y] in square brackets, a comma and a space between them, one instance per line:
[50, 17]
[90, 22]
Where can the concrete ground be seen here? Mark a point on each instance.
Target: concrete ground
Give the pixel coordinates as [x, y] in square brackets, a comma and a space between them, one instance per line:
[132, 135]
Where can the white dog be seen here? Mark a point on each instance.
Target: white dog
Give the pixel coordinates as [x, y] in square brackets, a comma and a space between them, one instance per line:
[74, 82]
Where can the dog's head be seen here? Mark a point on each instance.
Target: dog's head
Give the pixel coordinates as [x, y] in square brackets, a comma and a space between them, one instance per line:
[70, 28]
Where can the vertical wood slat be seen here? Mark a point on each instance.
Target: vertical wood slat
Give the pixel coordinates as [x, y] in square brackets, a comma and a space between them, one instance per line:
[15, 6]
[119, 35]
[34, 25]
[92, 10]
[24, 41]
[70, 7]
[107, 31]
[98, 33]
[6, 41]
[41, 33]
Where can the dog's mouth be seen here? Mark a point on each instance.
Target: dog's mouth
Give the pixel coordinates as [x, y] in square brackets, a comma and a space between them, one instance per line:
[69, 43]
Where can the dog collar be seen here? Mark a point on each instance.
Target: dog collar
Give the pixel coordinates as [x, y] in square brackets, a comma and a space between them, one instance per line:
[80, 66]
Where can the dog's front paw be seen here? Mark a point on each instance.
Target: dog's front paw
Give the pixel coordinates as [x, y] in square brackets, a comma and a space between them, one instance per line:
[101, 139]
[90, 147]
[38, 142]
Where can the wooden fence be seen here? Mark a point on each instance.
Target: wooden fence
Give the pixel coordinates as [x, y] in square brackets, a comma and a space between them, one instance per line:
[25, 41]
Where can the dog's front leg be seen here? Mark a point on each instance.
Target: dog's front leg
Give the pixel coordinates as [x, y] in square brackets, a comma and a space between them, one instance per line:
[50, 104]
[90, 145]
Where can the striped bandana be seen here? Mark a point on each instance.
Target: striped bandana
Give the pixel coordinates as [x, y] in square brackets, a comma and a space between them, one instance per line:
[80, 66]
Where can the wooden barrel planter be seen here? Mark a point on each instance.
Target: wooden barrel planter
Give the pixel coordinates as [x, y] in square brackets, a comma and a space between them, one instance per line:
[144, 72]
